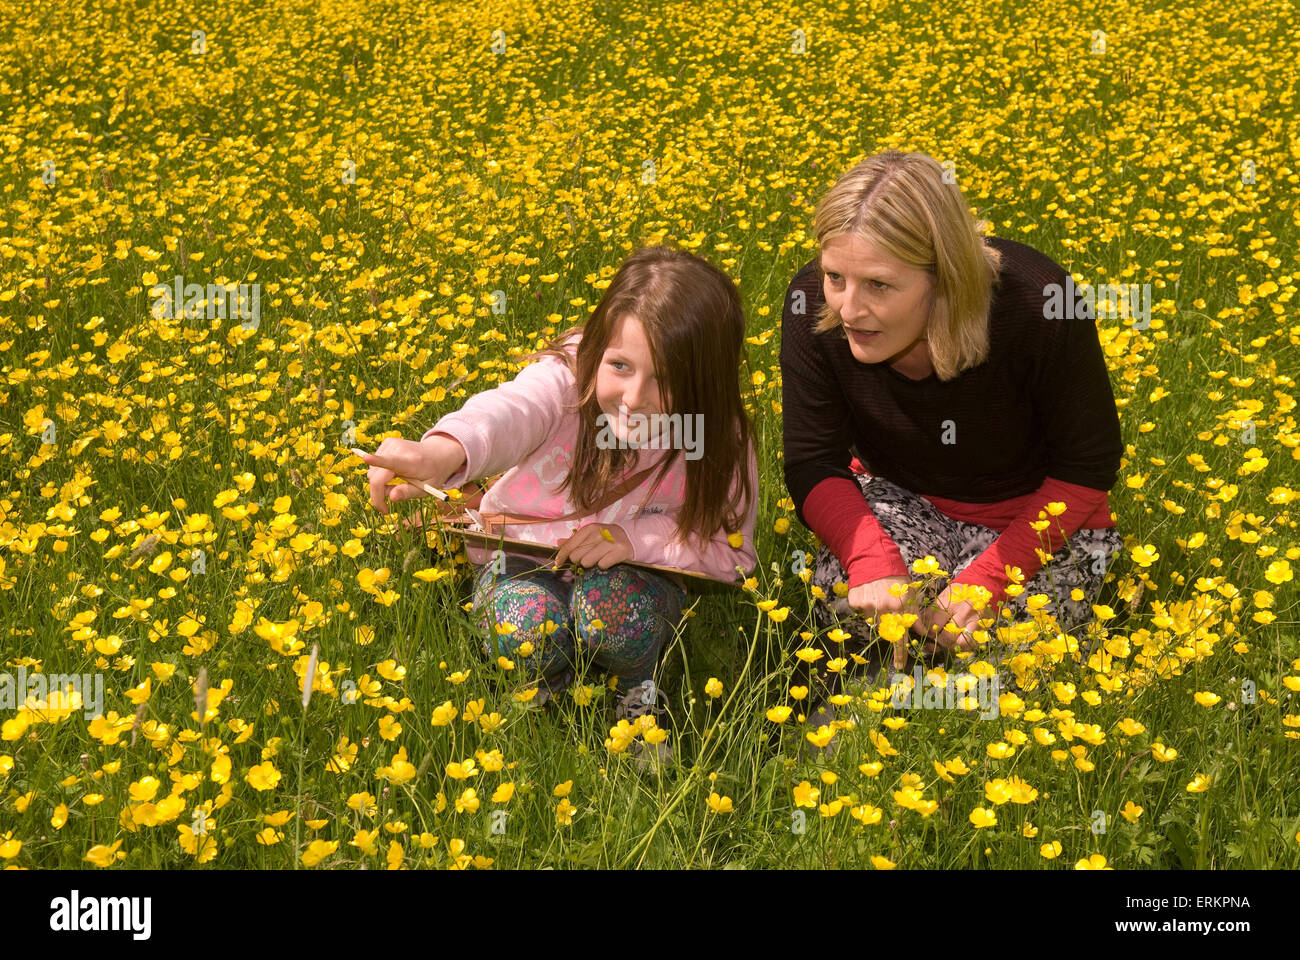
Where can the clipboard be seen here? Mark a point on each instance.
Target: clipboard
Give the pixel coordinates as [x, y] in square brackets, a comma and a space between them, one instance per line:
[547, 550]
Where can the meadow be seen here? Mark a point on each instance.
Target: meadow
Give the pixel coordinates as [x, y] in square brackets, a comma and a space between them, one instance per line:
[424, 192]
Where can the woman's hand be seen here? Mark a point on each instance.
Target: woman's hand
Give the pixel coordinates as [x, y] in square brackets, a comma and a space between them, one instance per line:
[588, 548]
[963, 618]
[874, 599]
[431, 461]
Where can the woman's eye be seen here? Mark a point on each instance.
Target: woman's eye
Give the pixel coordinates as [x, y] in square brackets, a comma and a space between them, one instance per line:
[836, 279]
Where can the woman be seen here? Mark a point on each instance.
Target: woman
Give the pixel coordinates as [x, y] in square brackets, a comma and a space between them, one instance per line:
[933, 356]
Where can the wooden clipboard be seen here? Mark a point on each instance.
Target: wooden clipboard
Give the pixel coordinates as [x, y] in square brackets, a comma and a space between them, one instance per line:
[547, 550]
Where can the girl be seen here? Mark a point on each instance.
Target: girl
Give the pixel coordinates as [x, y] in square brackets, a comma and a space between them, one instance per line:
[937, 403]
[604, 438]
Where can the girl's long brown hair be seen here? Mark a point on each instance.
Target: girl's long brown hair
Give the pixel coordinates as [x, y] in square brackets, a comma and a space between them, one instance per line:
[695, 323]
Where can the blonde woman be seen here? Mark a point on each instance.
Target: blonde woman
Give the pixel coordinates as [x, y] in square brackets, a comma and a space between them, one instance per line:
[935, 403]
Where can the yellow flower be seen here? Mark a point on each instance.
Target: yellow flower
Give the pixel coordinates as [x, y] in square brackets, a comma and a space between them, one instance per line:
[264, 776]
[1199, 784]
[562, 789]
[1094, 862]
[461, 771]
[389, 670]
[399, 772]
[503, 793]
[821, 736]
[9, 847]
[999, 750]
[269, 836]
[365, 842]
[719, 804]
[737, 540]
[444, 714]
[809, 654]
[104, 856]
[866, 814]
[1144, 555]
[1162, 753]
[882, 863]
[1131, 812]
[881, 743]
[778, 714]
[144, 790]
[1206, 699]
[1051, 851]
[782, 525]
[564, 812]
[981, 817]
[805, 795]
[1279, 572]
[468, 801]
[713, 688]
[317, 851]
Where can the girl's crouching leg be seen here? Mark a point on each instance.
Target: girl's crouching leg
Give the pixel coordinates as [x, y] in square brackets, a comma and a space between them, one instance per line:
[626, 616]
[526, 623]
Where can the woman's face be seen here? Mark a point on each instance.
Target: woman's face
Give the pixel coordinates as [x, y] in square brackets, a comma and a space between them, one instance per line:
[626, 385]
[882, 302]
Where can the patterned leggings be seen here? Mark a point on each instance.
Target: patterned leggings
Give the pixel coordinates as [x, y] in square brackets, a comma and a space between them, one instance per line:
[918, 528]
[637, 611]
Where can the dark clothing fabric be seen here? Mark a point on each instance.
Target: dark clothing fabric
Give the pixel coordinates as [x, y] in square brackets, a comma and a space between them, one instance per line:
[1040, 405]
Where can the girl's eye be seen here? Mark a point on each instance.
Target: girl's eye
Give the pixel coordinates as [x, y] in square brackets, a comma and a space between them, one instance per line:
[616, 364]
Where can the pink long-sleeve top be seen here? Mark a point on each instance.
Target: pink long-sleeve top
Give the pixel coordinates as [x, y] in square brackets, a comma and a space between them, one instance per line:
[528, 428]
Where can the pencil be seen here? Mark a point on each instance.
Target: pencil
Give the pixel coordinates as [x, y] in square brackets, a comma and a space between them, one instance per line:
[431, 491]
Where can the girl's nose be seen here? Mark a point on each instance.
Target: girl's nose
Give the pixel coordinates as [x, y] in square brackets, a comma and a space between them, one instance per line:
[634, 395]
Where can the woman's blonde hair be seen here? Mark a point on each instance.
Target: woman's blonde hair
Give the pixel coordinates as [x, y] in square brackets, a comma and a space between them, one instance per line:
[900, 203]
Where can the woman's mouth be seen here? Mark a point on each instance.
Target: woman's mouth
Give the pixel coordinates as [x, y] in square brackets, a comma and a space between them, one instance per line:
[862, 336]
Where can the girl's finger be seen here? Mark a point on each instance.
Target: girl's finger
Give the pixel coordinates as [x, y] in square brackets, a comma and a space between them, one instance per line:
[379, 478]
[562, 556]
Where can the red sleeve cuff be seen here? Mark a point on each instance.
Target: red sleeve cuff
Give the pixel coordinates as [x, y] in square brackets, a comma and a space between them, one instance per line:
[837, 512]
[1018, 545]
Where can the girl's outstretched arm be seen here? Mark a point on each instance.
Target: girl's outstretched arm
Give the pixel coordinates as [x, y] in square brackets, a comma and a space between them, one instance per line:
[498, 428]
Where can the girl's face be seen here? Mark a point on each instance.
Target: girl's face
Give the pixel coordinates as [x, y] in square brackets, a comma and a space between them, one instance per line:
[883, 303]
[626, 385]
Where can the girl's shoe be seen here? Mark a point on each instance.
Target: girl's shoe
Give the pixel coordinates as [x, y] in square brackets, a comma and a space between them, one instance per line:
[641, 700]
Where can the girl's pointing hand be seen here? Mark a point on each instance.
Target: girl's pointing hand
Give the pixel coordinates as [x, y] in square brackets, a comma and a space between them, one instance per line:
[431, 461]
